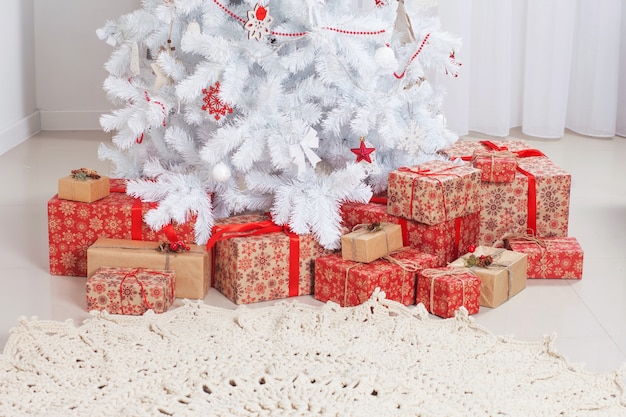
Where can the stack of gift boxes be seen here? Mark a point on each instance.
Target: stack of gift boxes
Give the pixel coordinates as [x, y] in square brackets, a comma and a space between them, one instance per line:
[463, 231]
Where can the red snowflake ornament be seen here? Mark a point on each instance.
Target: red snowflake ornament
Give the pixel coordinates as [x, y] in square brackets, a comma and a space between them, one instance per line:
[213, 103]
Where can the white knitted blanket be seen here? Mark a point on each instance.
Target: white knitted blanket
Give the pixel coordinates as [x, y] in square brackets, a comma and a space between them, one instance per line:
[378, 359]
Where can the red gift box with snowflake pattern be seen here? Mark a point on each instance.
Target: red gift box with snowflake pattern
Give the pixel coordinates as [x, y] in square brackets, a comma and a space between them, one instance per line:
[434, 192]
[350, 283]
[444, 290]
[74, 226]
[537, 199]
[550, 257]
[257, 260]
[130, 291]
[495, 166]
[447, 240]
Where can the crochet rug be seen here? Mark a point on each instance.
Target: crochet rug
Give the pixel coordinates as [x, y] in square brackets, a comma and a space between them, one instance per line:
[291, 359]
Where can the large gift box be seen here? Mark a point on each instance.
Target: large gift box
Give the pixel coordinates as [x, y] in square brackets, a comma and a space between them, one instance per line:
[350, 283]
[256, 260]
[537, 199]
[192, 266]
[447, 240]
[130, 291]
[86, 190]
[73, 226]
[550, 257]
[368, 242]
[434, 192]
[503, 273]
[445, 290]
[495, 166]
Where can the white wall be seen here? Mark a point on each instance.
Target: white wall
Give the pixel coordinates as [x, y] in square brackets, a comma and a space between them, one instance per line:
[70, 60]
[19, 118]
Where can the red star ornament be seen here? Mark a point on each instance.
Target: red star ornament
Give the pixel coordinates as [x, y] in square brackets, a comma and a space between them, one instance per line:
[363, 152]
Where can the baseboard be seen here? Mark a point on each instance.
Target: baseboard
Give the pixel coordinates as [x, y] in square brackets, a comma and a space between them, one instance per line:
[71, 120]
[19, 132]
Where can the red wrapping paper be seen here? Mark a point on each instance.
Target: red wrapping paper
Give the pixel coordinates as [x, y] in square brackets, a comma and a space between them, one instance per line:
[495, 166]
[130, 291]
[447, 240]
[74, 226]
[537, 199]
[262, 263]
[350, 283]
[434, 192]
[445, 290]
[552, 257]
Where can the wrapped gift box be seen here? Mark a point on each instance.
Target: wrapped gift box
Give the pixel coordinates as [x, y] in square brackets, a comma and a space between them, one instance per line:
[537, 199]
[550, 257]
[495, 166]
[87, 190]
[370, 242]
[73, 226]
[350, 283]
[447, 240]
[255, 260]
[445, 290]
[130, 291]
[192, 267]
[501, 280]
[434, 192]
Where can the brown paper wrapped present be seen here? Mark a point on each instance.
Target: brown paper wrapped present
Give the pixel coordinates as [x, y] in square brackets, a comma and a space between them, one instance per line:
[85, 190]
[192, 267]
[370, 242]
[502, 279]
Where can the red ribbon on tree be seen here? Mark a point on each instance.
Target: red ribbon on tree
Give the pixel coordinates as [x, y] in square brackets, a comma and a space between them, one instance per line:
[227, 231]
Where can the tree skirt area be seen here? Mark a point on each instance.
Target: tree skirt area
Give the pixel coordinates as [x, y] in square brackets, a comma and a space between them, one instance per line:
[292, 359]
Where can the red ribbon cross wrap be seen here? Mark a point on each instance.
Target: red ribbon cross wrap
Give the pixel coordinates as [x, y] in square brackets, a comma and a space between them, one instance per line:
[227, 231]
[532, 181]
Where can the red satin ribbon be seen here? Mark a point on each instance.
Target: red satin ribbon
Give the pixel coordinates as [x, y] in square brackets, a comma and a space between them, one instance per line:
[227, 231]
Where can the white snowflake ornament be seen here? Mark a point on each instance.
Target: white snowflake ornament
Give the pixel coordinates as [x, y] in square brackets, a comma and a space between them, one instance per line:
[259, 21]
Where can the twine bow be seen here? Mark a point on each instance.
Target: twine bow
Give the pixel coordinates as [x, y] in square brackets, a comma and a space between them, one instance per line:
[493, 156]
[454, 273]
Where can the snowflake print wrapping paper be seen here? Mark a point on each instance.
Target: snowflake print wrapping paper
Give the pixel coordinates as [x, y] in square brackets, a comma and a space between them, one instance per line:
[444, 290]
[556, 257]
[130, 291]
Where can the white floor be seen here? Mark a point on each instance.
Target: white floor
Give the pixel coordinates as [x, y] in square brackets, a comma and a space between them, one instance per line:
[588, 316]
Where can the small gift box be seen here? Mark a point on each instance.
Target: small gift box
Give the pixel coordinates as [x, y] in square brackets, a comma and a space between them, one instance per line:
[495, 166]
[434, 192]
[368, 242]
[257, 260]
[503, 273]
[350, 283]
[445, 290]
[131, 291]
[192, 266]
[550, 257]
[446, 240]
[73, 226]
[83, 185]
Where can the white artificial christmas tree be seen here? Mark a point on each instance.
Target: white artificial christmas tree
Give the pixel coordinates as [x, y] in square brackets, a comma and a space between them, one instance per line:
[287, 106]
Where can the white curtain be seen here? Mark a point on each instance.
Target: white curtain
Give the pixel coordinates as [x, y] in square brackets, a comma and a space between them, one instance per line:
[544, 65]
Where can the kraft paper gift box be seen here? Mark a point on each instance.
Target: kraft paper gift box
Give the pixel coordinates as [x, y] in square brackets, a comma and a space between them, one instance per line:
[447, 240]
[350, 283]
[501, 280]
[256, 260]
[550, 257]
[537, 199]
[73, 226]
[85, 190]
[130, 291]
[371, 241]
[495, 166]
[434, 192]
[192, 267]
[444, 290]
